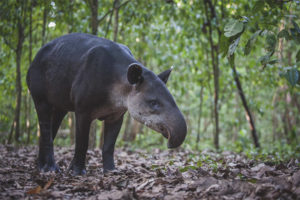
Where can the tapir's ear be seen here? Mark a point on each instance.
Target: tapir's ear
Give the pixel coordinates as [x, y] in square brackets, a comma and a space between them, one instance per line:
[164, 76]
[134, 73]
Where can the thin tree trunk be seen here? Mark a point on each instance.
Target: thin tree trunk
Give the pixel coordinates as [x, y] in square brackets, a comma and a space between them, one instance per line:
[200, 116]
[45, 16]
[94, 19]
[101, 136]
[116, 20]
[109, 22]
[275, 98]
[28, 100]
[44, 28]
[127, 128]
[71, 115]
[92, 137]
[94, 26]
[18, 52]
[247, 110]
[71, 122]
[132, 128]
[70, 17]
[215, 65]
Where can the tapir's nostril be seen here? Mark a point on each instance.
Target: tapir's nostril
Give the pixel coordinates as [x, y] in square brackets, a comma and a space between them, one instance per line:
[177, 133]
[164, 131]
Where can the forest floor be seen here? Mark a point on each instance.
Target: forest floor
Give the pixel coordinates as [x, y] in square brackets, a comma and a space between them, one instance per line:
[173, 174]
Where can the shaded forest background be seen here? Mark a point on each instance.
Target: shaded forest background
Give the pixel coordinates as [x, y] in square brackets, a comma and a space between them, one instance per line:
[235, 78]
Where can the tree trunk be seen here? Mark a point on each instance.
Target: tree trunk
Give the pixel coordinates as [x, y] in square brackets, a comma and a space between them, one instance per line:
[127, 127]
[28, 99]
[247, 110]
[116, 20]
[71, 122]
[94, 19]
[132, 128]
[45, 16]
[92, 137]
[70, 17]
[94, 26]
[200, 116]
[214, 48]
[101, 136]
[18, 51]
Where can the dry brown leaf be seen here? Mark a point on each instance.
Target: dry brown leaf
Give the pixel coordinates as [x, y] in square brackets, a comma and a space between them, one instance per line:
[48, 184]
[35, 190]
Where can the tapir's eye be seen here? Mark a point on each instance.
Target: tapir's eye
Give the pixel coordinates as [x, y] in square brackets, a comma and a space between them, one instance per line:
[154, 104]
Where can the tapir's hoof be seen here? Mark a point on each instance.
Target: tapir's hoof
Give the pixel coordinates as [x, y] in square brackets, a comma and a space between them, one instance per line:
[111, 170]
[108, 170]
[76, 170]
[49, 168]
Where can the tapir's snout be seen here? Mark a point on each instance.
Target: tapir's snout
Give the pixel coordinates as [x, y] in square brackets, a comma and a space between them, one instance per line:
[176, 132]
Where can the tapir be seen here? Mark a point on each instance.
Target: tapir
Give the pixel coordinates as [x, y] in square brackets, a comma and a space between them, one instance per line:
[97, 79]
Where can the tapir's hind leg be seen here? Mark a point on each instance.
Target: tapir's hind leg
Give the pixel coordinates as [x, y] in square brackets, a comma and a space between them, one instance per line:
[49, 121]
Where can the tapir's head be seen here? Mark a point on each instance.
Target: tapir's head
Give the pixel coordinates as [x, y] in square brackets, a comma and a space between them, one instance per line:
[151, 103]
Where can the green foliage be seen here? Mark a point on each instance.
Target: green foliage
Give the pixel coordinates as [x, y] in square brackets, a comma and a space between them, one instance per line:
[298, 56]
[251, 42]
[291, 74]
[233, 27]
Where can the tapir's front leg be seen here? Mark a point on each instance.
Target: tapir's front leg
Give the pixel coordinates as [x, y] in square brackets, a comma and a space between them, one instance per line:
[111, 131]
[83, 123]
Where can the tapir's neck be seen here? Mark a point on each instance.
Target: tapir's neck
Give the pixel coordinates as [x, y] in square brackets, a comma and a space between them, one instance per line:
[119, 95]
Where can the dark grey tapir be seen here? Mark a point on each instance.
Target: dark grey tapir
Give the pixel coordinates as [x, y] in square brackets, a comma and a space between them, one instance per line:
[97, 79]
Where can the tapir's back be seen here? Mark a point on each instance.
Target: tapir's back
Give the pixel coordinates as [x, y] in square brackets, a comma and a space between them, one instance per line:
[60, 62]
[69, 52]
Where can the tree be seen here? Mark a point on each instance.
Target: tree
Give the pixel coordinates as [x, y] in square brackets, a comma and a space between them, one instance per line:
[17, 20]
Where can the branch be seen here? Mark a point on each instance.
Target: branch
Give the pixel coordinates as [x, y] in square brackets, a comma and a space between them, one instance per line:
[110, 11]
[109, 22]
[104, 16]
[123, 4]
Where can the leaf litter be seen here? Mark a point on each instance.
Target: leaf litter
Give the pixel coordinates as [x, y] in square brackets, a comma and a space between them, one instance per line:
[171, 174]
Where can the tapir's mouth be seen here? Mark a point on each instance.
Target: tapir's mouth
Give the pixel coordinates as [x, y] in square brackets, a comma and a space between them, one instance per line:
[175, 138]
[175, 135]
[164, 131]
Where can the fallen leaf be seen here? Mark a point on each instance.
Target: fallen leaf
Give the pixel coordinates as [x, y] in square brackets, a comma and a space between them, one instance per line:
[48, 184]
[35, 190]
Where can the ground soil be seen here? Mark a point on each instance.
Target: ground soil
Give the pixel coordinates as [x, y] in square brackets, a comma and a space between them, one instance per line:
[175, 174]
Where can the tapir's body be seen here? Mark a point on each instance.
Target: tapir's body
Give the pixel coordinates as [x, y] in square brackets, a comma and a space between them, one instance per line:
[97, 79]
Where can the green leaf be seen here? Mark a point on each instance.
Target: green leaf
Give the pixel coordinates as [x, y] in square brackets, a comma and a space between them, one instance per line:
[292, 75]
[283, 33]
[231, 60]
[233, 27]
[271, 62]
[298, 56]
[233, 46]
[224, 45]
[250, 42]
[264, 59]
[296, 26]
[186, 168]
[271, 42]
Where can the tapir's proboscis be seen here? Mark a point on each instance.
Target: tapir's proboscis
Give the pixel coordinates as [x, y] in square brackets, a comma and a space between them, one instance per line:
[97, 79]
